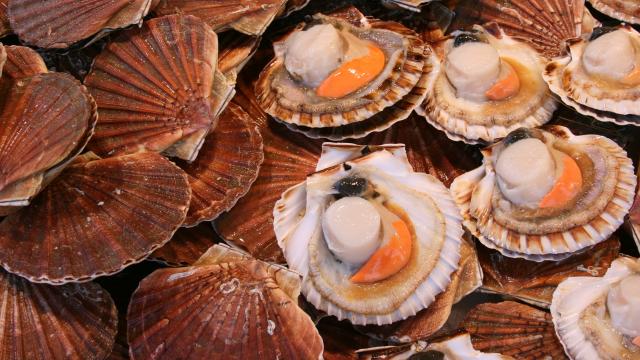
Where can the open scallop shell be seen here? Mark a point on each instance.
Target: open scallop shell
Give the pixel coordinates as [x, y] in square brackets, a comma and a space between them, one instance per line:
[293, 219]
[39, 321]
[251, 17]
[567, 79]
[513, 329]
[397, 83]
[473, 123]
[23, 62]
[228, 164]
[624, 10]
[227, 306]
[61, 23]
[557, 245]
[46, 120]
[186, 246]
[154, 89]
[96, 218]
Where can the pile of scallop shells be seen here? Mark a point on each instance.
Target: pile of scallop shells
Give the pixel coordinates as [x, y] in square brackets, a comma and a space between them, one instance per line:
[297, 179]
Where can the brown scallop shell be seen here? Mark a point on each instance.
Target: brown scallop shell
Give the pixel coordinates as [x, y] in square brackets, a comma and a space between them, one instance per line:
[226, 167]
[513, 329]
[5, 27]
[39, 321]
[60, 23]
[186, 246]
[23, 62]
[251, 17]
[3, 56]
[153, 88]
[225, 308]
[46, 120]
[96, 218]
[544, 24]
[235, 51]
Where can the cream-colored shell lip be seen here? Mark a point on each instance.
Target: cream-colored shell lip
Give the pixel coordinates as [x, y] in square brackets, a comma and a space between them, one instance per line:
[403, 78]
[553, 246]
[620, 112]
[624, 10]
[449, 116]
[290, 209]
[583, 291]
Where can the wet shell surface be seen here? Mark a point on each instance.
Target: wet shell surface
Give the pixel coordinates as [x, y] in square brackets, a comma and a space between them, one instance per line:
[488, 120]
[46, 120]
[186, 246]
[596, 215]
[96, 218]
[5, 27]
[39, 321]
[286, 100]
[298, 214]
[23, 62]
[153, 87]
[246, 16]
[624, 10]
[226, 307]
[226, 167]
[513, 329]
[61, 23]
[601, 99]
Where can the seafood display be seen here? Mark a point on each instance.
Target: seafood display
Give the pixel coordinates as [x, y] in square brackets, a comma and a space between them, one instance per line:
[597, 318]
[543, 195]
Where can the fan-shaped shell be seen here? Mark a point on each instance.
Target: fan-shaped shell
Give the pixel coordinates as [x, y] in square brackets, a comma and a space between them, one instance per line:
[240, 309]
[557, 245]
[235, 51]
[513, 329]
[228, 164]
[153, 87]
[46, 120]
[5, 27]
[186, 246]
[250, 17]
[624, 10]
[75, 321]
[60, 23]
[23, 62]
[96, 218]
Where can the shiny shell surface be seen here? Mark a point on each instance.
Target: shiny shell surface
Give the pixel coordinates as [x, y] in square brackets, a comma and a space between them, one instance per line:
[22, 62]
[624, 10]
[186, 246]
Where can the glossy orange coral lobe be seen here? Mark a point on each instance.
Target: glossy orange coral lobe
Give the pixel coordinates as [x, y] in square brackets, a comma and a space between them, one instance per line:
[353, 74]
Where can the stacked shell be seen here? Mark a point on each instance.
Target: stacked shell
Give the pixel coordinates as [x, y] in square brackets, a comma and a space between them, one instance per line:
[624, 10]
[488, 84]
[598, 318]
[600, 75]
[375, 241]
[543, 195]
[336, 78]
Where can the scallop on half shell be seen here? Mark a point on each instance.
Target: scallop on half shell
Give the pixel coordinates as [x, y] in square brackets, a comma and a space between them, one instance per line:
[623, 10]
[543, 195]
[226, 306]
[340, 277]
[488, 84]
[598, 318]
[600, 77]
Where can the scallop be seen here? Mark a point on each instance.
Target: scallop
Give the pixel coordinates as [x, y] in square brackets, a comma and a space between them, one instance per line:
[5, 27]
[623, 10]
[23, 62]
[186, 246]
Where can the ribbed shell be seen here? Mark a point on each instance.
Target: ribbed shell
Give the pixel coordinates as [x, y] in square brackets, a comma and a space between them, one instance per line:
[96, 218]
[60, 23]
[251, 17]
[514, 329]
[44, 322]
[23, 62]
[153, 87]
[3, 56]
[186, 246]
[236, 310]
[227, 165]
[235, 51]
[544, 24]
[46, 120]
[403, 78]
[5, 27]
[623, 10]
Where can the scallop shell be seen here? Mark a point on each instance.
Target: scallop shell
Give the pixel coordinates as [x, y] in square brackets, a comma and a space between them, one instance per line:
[3, 56]
[75, 321]
[513, 329]
[186, 246]
[557, 245]
[619, 107]
[544, 24]
[96, 218]
[294, 5]
[60, 23]
[153, 87]
[235, 51]
[249, 17]
[5, 27]
[400, 81]
[225, 308]
[47, 120]
[624, 10]
[228, 164]
[23, 62]
[475, 123]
